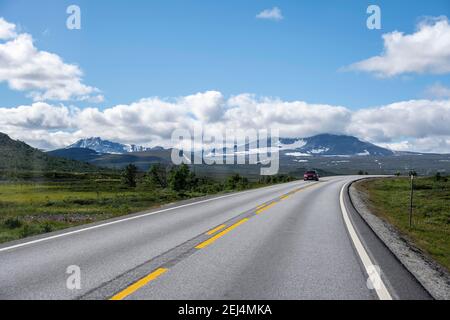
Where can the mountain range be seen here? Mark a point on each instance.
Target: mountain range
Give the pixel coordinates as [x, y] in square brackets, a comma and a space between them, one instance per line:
[329, 153]
[319, 145]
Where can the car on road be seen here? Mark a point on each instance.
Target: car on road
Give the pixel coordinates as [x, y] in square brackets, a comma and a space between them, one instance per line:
[311, 175]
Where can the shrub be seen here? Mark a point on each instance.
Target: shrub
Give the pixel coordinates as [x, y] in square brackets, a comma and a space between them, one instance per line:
[13, 223]
[47, 227]
[29, 230]
[129, 175]
[180, 178]
[437, 176]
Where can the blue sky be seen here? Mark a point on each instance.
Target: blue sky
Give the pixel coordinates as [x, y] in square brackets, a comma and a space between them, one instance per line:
[135, 49]
[137, 70]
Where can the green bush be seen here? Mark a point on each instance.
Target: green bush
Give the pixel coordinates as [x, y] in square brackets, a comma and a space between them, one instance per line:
[30, 230]
[13, 223]
[129, 175]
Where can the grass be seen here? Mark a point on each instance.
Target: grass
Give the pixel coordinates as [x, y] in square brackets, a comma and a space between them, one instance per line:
[28, 208]
[389, 199]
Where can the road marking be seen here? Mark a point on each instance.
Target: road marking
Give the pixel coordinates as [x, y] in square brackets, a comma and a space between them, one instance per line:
[285, 197]
[382, 291]
[266, 207]
[211, 232]
[139, 284]
[261, 206]
[125, 219]
[219, 235]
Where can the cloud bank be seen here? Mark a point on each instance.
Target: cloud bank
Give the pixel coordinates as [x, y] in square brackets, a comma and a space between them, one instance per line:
[427, 51]
[416, 125]
[43, 75]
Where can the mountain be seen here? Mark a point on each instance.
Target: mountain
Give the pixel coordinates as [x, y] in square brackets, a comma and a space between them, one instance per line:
[18, 156]
[319, 145]
[104, 146]
[332, 145]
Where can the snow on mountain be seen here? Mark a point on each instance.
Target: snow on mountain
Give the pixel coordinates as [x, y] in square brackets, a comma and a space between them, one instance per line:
[332, 145]
[105, 146]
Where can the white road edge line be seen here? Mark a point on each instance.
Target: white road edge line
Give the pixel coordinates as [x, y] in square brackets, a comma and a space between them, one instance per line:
[124, 220]
[382, 291]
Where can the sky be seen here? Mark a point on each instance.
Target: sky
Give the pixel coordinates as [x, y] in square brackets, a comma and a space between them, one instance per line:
[137, 70]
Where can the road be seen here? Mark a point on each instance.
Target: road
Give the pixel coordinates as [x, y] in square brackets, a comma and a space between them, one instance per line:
[299, 240]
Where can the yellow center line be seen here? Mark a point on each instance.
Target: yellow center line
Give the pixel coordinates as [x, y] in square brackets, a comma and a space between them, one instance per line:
[261, 206]
[211, 232]
[307, 187]
[285, 197]
[266, 207]
[219, 235]
[139, 284]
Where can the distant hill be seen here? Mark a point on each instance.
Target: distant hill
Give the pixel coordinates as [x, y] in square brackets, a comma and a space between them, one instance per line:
[143, 160]
[18, 156]
[79, 154]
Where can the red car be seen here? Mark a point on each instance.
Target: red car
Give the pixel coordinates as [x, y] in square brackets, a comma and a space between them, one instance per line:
[311, 175]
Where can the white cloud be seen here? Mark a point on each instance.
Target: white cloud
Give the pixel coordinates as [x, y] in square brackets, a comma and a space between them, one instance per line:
[416, 125]
[438, 144]
[7, 30]
[271, 14]
[425, 51]
[413, 119]
[438, 91]
[44, 75]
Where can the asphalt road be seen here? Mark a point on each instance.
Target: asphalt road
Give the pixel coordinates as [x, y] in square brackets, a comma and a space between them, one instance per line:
[290, 241]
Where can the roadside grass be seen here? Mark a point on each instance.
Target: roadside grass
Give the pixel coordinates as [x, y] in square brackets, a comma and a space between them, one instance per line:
[389, 199]
[28, 208]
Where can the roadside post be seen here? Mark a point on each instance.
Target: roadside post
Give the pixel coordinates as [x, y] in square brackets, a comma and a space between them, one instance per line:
[411, 200]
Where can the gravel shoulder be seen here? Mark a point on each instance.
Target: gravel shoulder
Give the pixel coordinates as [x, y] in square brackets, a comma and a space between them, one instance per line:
[434, 278]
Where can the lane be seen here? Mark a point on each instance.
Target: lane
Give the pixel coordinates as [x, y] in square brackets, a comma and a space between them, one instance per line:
[38, 270]
[297, 248]
[288, 241]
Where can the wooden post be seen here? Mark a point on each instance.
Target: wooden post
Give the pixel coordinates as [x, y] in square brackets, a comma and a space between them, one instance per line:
[411, 201]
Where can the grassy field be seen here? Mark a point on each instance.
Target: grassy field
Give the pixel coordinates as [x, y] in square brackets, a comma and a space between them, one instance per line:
[34, 207]
[389, 199]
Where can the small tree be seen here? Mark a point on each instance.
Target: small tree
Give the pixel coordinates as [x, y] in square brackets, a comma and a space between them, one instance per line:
[232, 181]
[129, 175]
[360, 172]
[179, 178]
[236, 182]
[437, 176]
[156, 176]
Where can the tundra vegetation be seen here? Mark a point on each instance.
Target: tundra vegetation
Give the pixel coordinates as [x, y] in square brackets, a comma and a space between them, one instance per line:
[389, 198]
[38, 203]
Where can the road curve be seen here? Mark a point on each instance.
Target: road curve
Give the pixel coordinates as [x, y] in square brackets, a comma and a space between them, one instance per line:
[287, 241]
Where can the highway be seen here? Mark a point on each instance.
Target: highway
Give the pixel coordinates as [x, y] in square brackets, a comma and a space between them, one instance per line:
[300, 240]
